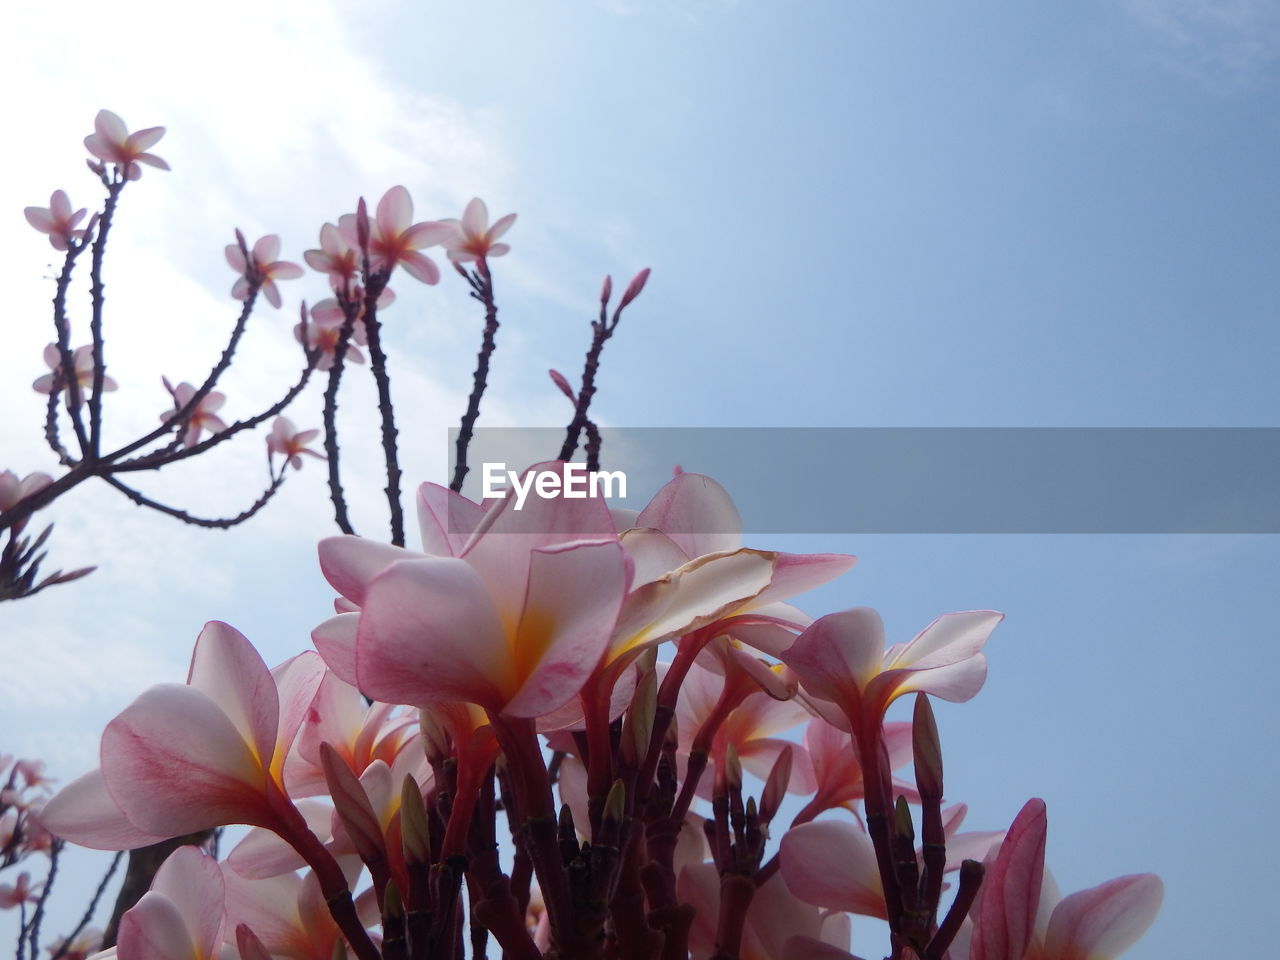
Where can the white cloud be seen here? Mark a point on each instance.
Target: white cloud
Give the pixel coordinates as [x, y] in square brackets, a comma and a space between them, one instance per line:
[1226, 44]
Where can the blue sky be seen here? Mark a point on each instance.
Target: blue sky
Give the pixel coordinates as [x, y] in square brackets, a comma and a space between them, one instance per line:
[856, 214]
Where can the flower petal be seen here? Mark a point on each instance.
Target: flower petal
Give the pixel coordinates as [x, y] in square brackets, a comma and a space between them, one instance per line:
[1005, 917]
[695, 512]
[429, 631]
[175, 764]
[349, 563]
[572, 603]
[832, 864]
[227, 668]
[84, 813]
[1103, 921]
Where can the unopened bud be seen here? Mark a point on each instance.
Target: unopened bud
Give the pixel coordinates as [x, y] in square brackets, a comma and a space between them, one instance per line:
[926, 749]
[775, 788]
[644, 704]
[634, 287]
[615, 805]
[352, 806]
[559, 380]
[732, 768]
[434, 736]
[606, 290]
[392, 905]
[413, 823]
[902, 820]
[362, 225]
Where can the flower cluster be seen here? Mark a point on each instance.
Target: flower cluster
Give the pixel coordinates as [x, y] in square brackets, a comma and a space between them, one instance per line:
[377, 764]
[24, 791]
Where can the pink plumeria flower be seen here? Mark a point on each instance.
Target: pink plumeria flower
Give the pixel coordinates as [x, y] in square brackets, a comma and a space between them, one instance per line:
[513, 618]
[19, 892]
[12, 490]
[85, 944]
[291, 443]
[852, 679]
[1020, 915]
[395, 239]
[832, 864]
[473, 238]
[287, 912]
[339, 259]
[202, 418]
[58, 220]
[82, 364]
[183, 758]
[111, 142]
[264, 257]
[182, 916]
[325, 328]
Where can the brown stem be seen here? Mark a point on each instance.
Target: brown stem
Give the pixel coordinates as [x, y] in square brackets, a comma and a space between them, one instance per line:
[378, 364]
[481, 289]
[222, 523]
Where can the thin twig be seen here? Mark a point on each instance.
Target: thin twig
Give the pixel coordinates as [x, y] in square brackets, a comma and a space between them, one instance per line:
[481, 289]
[350, 311]
[34, 936]
[378, 364]
[95, 321]
[216, 524]
[91, 909]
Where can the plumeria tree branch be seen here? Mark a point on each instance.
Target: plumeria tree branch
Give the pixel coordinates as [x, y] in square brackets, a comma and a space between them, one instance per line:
[78, 377]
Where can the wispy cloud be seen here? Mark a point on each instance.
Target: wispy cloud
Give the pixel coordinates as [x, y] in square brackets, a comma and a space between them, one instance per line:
[1228, 45]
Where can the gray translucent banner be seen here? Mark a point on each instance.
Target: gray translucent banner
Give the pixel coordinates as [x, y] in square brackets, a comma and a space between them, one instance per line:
[939, 480]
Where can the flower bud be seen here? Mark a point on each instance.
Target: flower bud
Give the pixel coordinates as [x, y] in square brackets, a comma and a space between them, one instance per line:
[615, 805]
[732, 768]
[634, 287]
[644, 704]
[775, 788]
[606, 290]
[352, 806]
[413, 823]
[926, 749]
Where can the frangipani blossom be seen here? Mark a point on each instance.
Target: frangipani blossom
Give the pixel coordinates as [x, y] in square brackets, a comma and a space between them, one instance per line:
[182, 916]
[111, 142]
[472, 238]
[515, 622]
[287, 913]
[395, 239]
[81, 363]
[837, 777]
[746, 717]
[852, 679]
[1102, 922]
[184, 758]
[691, 569]
[264, 258]
[1020, 914]
[12, 490]
[336, 257]
[202, 418]
[57, 220]
[21, 891]
[832, 864]
[357, 732]
[290, 442]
